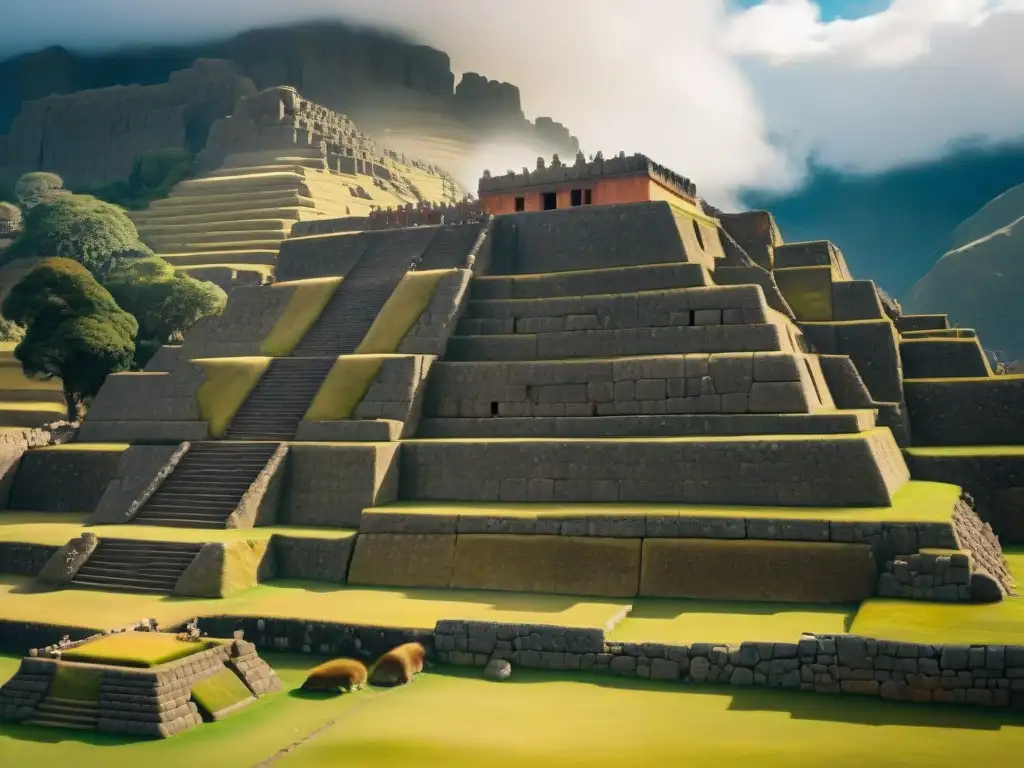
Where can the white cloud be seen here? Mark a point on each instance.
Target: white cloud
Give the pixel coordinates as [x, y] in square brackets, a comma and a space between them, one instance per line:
[888, 89]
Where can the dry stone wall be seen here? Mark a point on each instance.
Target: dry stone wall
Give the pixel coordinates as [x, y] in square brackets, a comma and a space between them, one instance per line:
[430, 334]
[22, 559]
[967, 411]
[733, 383]
[981, 675]
[63, 481]
[139, 474]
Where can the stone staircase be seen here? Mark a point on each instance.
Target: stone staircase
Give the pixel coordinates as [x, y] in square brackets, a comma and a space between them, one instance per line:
[280, 400]
[451, 247]
[129, 565]
[206, 486]
[348, 316]
[66, 713]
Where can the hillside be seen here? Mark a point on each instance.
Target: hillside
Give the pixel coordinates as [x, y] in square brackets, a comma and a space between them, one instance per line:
[977, 282]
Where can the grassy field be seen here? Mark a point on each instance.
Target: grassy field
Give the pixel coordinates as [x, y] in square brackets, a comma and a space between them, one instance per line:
[413, 608]
[136, 649]
[542, 720]
[915, 502]
[968, 451]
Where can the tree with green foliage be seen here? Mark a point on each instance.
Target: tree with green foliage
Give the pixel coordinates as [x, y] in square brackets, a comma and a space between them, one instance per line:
[38, 187]
[75, 331]
[164, 302]
[79, 227]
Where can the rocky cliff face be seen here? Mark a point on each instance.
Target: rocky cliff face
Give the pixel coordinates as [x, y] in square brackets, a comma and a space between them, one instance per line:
[978, 281]
[383, 82]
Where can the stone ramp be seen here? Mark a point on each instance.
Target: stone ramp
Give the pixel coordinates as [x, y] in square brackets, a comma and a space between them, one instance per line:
[348, 316]
[206, 486]
[129, 565]
[281, 398]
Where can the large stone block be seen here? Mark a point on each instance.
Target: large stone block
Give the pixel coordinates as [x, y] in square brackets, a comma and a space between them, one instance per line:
[943, 358]
[65, 478]
[775, 571]
[566, 565]
[967, 411]
[403, 560]
[139, 472]
[627, 279]
[330, 485]
[312, 559]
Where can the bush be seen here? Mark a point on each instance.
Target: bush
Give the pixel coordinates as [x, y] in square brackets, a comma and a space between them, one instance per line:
[78, 227]
[10, 331]
[38, 187]
[74, 329]
[10, 218]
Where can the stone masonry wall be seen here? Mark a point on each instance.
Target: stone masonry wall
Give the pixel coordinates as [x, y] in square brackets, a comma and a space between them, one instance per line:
[139, 474]
[967, 411]
[743, 382]
[24, 559]
[249, 317]
[63, 481]
[981, 675]
[396, 391]
[588, 238]
[429, 336]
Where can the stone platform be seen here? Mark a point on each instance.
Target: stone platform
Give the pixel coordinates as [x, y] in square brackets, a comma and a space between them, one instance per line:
[121, 683]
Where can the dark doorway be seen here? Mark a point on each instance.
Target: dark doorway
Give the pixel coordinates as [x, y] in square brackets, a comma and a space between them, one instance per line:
[588, 196]
[520, 204]
[549, 201]
[576, 198]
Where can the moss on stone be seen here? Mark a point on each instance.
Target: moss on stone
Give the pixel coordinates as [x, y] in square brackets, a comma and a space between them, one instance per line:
[401, 311]
[808, 291]
[228, 382]
[136, 649]
[344, 387]
[75, 683]
[307, 301]
[220, 692]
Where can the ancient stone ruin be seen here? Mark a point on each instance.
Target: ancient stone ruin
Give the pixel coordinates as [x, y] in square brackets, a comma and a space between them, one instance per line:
[138, 682]
[643, 399]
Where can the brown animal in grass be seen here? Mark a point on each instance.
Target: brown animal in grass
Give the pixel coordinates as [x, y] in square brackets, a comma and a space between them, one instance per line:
[345, 675]
[399, 665]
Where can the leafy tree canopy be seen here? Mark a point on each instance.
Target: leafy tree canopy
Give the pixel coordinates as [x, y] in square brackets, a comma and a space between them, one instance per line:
[152, 177]
[10, 217]
[38, 187]
[78, 227]
[74, 329]
[165, 303]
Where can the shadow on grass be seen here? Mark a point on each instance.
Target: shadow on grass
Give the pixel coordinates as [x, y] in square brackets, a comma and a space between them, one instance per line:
[654, 608]
[42, 734]
[819, 707]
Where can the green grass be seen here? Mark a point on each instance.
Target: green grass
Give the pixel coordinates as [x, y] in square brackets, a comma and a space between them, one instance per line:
[304, 307]
[808, 291]
[135, 649]
[227, 383]
[967, 451]
[220, 692]
[86, 447]
[344, 388]
[42, 407]
[401, 311]
[75, 683]
[543, 720]
[314, 601]
[913, 621]
[915, 502]
[683, 622]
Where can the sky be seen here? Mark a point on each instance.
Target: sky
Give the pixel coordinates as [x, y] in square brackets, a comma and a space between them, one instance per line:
[735, 94]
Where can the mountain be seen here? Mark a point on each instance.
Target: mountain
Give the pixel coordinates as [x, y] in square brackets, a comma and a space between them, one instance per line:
[399, 92]
[977, 282]
[892, 226]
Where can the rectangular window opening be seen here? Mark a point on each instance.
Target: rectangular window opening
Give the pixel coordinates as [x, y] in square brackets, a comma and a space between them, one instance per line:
[576, 198]
[588, 197]
[520, 204]
[549, 201]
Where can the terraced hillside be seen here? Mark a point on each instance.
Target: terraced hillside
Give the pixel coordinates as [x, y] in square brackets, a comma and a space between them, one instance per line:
[227, 226]
[26, 402]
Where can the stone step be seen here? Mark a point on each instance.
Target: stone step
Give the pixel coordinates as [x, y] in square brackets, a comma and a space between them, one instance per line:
[213, 257]
[249, 170]
[683, 425]
[123, 585]
[81, 705]
[135, 545]
[154, 572]
[196, 237]
[670, 340]
[255, 182]
[164, 521]
[286, 198]
[652, 277]
[52, 722]
[848, 470]
[186, 226]
[171, 216]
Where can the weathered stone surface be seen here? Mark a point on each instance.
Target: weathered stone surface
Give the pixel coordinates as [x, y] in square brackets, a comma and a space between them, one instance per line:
[61, 568]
